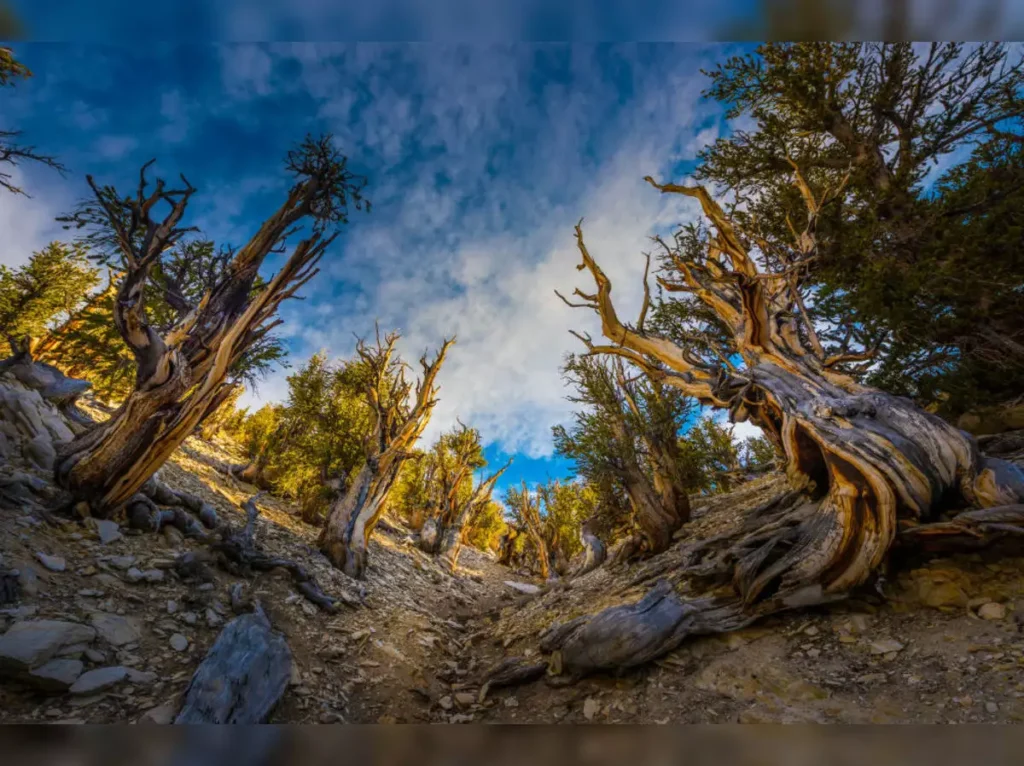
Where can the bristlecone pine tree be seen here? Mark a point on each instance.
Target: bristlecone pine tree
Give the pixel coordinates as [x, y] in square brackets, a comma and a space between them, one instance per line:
[526, 507]
[181, 374]
[398, 424]
[860, 460]
[453, 502]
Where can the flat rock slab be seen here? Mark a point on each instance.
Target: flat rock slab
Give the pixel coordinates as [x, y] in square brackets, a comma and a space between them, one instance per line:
[31, 643]
[55, 675]
[522, 587]
[107, 530]
[99, 679]
[242, 677]
[53, 563]
[115, 629]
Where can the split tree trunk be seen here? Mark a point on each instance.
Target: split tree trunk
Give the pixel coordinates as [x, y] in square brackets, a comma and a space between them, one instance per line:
[181, 375]
[530, 513]
[345, 538]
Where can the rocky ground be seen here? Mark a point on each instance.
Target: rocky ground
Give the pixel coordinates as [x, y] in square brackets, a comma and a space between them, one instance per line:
[107, 631]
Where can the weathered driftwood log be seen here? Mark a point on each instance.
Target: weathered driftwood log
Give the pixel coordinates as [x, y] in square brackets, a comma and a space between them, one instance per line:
[242, 677]
[239, 549]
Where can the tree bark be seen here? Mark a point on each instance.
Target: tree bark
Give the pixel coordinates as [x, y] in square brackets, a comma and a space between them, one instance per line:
[594, 551]
[345, 538]
[862, 458]
[182, 374]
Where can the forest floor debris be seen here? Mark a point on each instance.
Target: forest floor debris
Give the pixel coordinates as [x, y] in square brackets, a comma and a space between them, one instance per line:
[941, 642]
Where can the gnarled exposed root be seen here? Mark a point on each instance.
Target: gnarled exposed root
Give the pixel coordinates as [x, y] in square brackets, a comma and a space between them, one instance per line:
[143, 511]
[968, 530]
[239, 550]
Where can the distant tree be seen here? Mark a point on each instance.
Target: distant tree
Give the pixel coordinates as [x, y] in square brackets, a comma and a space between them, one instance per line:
[453, 503]
[12, 153]
[625, 438]
[400, 412]
[525, 507]
[36, 297]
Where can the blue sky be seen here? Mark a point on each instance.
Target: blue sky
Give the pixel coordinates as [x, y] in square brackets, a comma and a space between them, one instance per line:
[480, 160]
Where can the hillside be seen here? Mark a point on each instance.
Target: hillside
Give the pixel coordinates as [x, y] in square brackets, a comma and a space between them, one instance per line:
[939, 642]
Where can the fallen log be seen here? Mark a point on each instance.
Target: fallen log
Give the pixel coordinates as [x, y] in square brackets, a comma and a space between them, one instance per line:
[242, 677]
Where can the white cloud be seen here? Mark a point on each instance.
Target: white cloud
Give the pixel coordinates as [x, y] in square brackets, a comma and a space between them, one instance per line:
[27, 223]
[114, 147]
[480, 255]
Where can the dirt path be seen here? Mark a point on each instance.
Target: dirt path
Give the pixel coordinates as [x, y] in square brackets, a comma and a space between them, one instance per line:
[943, 646]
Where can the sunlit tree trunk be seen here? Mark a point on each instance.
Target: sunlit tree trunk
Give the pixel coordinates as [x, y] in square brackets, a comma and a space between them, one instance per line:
[864, 459]
[351, 520]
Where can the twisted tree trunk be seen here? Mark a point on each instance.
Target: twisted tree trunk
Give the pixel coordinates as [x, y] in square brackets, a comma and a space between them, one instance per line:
[862, 458]
[181, 375]
[345, 537]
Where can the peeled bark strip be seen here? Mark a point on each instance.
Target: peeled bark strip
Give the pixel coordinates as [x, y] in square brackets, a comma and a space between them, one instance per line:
[182, 373]
[863, 458]
[345, 537]
[243, 676]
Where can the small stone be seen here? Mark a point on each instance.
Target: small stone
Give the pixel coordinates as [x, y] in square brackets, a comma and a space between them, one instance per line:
[464, 699]
[115, 629]
[90, 593]
[992, 611]
[28, 580]
[30, 643]
[107, 530]
[53, 563]
[172, 607]
[133, 575]
[886, 646]
[173, 536]
[56, 675]
[206, 586]
[511, 702]
[591, 707]
[811, 631]
[161, 715]
[446, 703]
[179, 643]
[99, 679]
[213, 619]
[522, 587]
[153, 575]
[141, 676]
[190, 617]
[991, 707]
[95, 656]
[121, 562]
